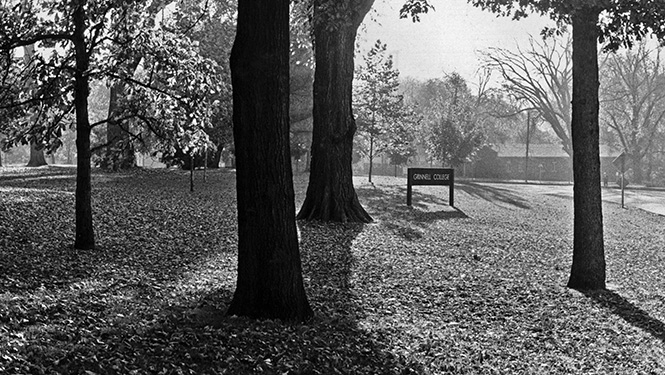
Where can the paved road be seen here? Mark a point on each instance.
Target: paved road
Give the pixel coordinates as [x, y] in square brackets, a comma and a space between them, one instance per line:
[648, 200]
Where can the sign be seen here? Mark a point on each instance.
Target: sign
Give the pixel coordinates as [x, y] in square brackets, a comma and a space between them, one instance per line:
[430, 176]
[621, 162]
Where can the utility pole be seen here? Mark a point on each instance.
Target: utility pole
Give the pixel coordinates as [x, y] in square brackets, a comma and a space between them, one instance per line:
[528, 133]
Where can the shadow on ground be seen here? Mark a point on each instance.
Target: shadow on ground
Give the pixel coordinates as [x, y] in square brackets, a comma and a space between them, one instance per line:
[332, 342]
[144, 229]
[387, 205]
[625, 309]
[492, 194]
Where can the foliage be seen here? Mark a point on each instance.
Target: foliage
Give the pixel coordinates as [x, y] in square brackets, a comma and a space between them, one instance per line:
[426, 290]
[211, 24]
[119, 31]
[621, 24]
[180, 86]
[385, 122]
[633, 98]
[453, 119]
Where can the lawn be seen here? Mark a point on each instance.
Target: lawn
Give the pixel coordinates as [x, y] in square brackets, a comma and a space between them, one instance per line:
[477, 289]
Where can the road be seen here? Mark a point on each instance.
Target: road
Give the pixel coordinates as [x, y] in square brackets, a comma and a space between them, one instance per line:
[648, 200]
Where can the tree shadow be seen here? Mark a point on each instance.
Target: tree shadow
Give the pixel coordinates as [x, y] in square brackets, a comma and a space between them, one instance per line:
[628, 312]
[390, 202]
[493, 194]
[51, 181]
[387, 205]
[153, 297]
[28, 175]
[143, 228]
[331, 342]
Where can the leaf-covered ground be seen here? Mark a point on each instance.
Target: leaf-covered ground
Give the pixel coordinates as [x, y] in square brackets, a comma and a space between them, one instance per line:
[425, 290]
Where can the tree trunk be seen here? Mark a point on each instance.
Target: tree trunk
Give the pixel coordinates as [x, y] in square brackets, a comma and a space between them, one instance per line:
[216, 157]
[191, 173]
[371, 157]
[330, 193]
[119, 153]
[85, 236]
[588, 269]
[37, 158]
[270, 284]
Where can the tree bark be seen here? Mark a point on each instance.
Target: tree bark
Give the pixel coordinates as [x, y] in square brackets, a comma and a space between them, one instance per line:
[371, 158]
[37, 158]
[119, 153]
[269, 284]
[330, 193]
[588, 268]
[85, 237]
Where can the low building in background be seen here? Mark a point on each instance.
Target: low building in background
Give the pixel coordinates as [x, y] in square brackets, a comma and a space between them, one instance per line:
[546, 162]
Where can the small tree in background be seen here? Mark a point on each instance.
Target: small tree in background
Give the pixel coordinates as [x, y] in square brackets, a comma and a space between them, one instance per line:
[401, 140]
[382, 118]
[452, 122]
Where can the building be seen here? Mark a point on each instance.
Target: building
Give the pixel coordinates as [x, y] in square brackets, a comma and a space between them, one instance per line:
[546, 162]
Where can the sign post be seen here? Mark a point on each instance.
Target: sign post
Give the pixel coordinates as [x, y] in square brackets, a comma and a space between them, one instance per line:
[431, 176]
[620, 163]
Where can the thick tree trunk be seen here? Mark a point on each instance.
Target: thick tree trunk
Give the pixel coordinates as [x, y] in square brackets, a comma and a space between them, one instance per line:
[216, 157]
[330, 193]
[85, 237]
[588, 269]
[270, 281]
[37, 158]
[119, 153]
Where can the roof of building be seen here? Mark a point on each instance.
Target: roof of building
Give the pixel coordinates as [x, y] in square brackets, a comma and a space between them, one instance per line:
[514, 150]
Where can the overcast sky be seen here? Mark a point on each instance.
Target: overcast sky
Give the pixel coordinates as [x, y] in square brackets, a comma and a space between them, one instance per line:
[445, 40]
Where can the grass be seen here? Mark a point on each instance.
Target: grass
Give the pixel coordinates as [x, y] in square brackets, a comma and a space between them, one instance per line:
[477, 289]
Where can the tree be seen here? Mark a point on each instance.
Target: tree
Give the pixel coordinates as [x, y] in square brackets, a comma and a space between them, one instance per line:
[212, 25]
[623, 21]
[270, 281]
[454, 134]
[64, 81]
[330, 193]
[378, 106]
[540, 77]
[633, 99]
[79, 40]
[301, 84]
[37, 158]
[401, 140]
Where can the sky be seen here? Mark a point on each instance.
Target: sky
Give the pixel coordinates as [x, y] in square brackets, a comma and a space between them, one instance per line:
[446, 40]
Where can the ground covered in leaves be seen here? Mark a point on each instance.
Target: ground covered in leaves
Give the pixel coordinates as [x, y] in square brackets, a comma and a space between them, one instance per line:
[477, 289]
